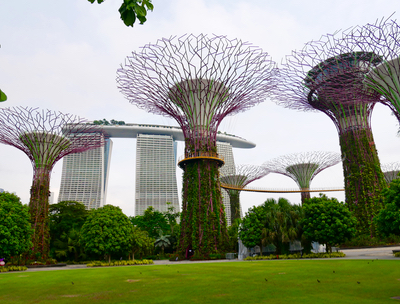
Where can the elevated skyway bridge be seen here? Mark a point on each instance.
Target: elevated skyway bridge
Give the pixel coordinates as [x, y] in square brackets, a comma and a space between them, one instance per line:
[265, 190]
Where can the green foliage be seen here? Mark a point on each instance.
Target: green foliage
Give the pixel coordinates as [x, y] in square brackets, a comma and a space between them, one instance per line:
[367, 241]
[297, 256]
[162, 241]
[131, 10]
[107, 231]
[107, 123]
[203, 224]
[142, 244]
[364, 179]
[15, 227]
[282, 223]
[327, 221]
[13, 268]
[119, 263]
[250, 231]
[3, 96]
[388, 219]
[152, 221]
[397, 254]
[66, 220]
[233, 232]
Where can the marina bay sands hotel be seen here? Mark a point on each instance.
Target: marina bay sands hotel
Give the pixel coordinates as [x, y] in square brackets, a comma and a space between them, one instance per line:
[85, 175]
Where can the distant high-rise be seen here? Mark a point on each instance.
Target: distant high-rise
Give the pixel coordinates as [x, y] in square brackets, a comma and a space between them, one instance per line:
[84, 176]
[225, 150]
[155, 173]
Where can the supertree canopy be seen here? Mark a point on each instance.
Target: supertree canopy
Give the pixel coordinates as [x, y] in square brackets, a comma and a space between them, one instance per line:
[45, 137]
[327, 75]
[245, 174]
[303, 167]
[198, 81]
[391, 171]
[381, 38]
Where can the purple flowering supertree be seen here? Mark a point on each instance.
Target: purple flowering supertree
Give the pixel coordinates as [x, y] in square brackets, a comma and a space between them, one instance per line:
[45, 137]
[244, 175]
[327, 76]
[303, 167]
[198, 81]
[391, 171]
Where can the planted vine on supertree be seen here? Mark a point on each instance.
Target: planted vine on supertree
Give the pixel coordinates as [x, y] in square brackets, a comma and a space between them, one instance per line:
[327, 76]
[303, 167]
[244, 175]
[391, 171]
[45, 137]
[198, 81]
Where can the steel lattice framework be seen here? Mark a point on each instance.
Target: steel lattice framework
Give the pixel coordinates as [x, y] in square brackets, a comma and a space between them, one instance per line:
[328, 76]
[245, 174]
[391, 171]
[381, 38]
[45, 137]
[198, 81]
[303, 167]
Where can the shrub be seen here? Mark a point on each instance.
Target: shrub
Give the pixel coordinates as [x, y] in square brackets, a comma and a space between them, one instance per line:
[12, 268]
[119, 263]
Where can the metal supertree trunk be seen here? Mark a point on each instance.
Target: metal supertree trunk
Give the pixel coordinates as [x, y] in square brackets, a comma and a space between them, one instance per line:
[303, 167]
[245, 174]
[198, 81]
[327, 76]
[45, 137]
[391, 171]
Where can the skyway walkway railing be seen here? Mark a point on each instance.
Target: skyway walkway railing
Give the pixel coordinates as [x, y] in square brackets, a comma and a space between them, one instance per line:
[252, 189]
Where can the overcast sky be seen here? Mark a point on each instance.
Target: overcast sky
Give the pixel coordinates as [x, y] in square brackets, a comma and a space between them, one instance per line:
[63, 55]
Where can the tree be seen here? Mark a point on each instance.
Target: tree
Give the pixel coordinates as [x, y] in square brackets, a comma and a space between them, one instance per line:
[328, 221]
[132, 9]
[66, 220]
[107, 231]
[162, 241]
[282, 224]
[250, 231]
[388, 218]
[152, 221]
[141, 242]
[66, 215]
[15, 227]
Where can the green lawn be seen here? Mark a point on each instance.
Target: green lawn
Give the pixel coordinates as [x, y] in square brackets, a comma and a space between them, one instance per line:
[282, 281]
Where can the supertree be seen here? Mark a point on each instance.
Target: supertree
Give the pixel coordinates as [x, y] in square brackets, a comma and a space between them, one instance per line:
[327, 76]
[45, 137]
[198, 81]
[244, 175]
[303, 167]
[391, 171]
[381, 38]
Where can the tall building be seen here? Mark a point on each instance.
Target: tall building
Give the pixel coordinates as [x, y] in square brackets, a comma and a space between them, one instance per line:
[84, 176]
[225, 150]
[155, 173]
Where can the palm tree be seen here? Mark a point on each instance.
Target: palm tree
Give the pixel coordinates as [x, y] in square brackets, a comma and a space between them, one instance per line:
[162, 241]
[282, 224]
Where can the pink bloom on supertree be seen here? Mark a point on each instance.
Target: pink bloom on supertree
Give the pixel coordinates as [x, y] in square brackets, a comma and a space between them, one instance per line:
[45, 137]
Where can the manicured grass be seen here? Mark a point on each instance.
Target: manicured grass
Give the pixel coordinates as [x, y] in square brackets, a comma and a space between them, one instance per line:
[278, 281]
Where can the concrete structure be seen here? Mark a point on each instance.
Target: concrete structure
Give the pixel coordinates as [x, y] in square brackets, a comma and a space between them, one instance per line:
[85, 175]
